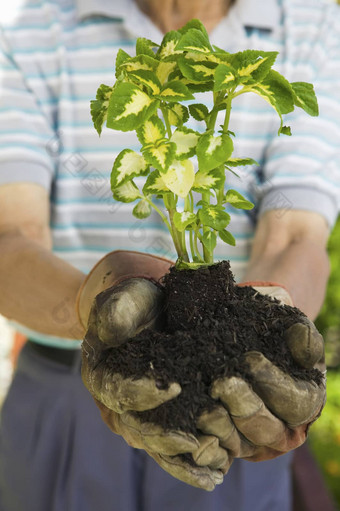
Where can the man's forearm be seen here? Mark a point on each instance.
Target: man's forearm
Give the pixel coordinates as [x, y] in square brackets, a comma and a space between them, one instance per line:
[299, 261]
[38, 289]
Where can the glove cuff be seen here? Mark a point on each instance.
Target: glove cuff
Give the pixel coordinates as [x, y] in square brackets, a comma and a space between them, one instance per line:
[272, 289]
[114, 268]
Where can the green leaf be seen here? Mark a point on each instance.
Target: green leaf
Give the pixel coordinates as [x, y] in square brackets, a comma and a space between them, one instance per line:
[142, 209]
[205, 181]
[225, 77]
[145, 47]
[241, 162]
[214, 216]
[129, 107]
[147, 78]
[151, 131]
[180, 177]
[199, 111]
[127, 165]
[253, 65]
[177, 114]
[197, 71]
[175, 91]
[209, 239]
[305, 98]
[227, 237]
[184, 219]
[128, 192]
[160, 155]
[194, 40]
[285, 130]
[99, 106]
[237, 200]
[213, 151]
[185, 140]
[155, 185]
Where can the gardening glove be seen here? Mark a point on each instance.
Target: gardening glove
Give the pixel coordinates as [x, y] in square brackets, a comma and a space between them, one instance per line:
[272, 415]
[117, 314]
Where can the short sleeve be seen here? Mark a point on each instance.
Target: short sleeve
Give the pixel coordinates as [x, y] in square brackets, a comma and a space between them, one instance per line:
[26, 135]
[303, 171]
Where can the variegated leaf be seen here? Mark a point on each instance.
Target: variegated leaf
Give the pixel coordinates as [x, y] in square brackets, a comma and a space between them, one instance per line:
[155, 185]
[213, 151]
[160, 155]
[185, 140]
[168, 45]
[205, 181]
[141, 62]
[142, 209]
[199, 111]
[100, 105]
[237, 200]
[253, 65]
[121, 58]
[127, 165]
[177, 114]
[175, 91]
[201, 71]
[214, 216]
[151, 131]
[180, 177]
[147, 78]
[183, 219]
[225, 77]
[146, 47]
[227, 237]
[129, 107]
[194, 40]
[164, 69]
[128, 192]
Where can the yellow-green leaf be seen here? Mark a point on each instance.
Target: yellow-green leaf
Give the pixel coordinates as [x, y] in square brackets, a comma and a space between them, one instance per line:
[177, 114]
[175, 91]
[151, 131]
[237, 200]
[147, 78]
[185, 140]
[213, 151]
[214, 216]
[160, 155]
[129, 106]
[99, 106]
[127, 192]
[155, 185]
[180, 177]
[183, 219]
[127, 165]
[205, 181]
[142, 209]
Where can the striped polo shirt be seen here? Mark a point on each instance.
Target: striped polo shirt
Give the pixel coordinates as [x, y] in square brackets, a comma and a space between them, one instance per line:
[55, 53]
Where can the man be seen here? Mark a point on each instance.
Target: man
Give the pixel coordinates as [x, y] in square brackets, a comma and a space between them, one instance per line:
[55, 451]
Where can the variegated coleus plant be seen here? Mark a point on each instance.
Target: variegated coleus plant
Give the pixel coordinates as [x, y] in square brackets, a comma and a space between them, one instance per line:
[154, 95]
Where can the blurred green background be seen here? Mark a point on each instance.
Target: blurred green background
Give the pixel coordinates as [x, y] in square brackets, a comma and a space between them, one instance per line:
[324, 439]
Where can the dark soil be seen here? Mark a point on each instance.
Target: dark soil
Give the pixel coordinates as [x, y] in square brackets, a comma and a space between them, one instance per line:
[209, 324]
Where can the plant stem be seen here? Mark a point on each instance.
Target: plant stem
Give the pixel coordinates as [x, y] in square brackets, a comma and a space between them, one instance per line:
[227, 113]
[166, 120]
[161, 214]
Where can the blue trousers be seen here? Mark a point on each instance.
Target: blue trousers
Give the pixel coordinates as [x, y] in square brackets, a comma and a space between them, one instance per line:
[56, 454]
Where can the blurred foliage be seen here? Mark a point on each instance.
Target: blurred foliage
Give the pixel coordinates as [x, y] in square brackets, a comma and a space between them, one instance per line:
[325, 433]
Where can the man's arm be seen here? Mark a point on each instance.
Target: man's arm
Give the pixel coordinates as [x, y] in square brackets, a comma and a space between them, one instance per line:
[38, 289]
[290, 248]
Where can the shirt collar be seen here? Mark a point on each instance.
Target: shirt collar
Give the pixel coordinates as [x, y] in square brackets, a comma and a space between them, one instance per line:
[251, 13]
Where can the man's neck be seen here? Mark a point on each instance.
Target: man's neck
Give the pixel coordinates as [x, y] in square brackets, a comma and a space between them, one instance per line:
[173, 14]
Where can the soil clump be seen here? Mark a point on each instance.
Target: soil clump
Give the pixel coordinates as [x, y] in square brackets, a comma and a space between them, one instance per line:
[209, 323]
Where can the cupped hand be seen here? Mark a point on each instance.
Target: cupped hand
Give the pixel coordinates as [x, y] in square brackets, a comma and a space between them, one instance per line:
[118, 314]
